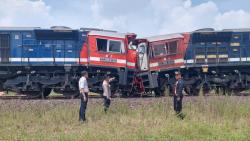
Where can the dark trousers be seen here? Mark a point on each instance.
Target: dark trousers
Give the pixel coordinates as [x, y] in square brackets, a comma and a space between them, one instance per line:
[106, 103]
[178, 104]
[83, 107]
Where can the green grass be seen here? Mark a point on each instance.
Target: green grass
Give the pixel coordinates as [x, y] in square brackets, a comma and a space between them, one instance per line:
[207, 119]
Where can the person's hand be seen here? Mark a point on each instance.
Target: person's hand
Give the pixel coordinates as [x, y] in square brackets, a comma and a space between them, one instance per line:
[178, 98]
[184, 92]
[82, 92]
[84, 97]
[111, 79]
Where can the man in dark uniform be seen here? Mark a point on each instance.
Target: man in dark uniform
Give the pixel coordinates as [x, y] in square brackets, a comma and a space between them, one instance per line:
[178, 94]
[83, 88]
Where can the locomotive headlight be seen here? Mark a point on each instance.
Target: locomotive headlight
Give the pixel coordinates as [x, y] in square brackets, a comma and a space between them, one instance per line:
[236, 71]
[205, 68]
[18, 72]
[33, 72]
[167, 75]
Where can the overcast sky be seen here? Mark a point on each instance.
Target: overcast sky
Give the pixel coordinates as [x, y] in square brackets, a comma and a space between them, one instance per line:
[144, 17]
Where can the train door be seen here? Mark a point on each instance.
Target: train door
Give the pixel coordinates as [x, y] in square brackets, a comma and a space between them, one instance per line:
[4, 48]
[235, 48]
[142, 57]
[59, 52]
[70, 52]
[29, 49]
[47, 51]
[16, 48]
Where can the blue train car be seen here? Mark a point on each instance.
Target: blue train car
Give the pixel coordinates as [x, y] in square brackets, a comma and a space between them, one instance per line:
[34, 46]
[30, 56]
[219, 60]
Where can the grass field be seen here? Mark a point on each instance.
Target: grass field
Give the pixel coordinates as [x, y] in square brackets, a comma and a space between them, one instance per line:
[149, 119]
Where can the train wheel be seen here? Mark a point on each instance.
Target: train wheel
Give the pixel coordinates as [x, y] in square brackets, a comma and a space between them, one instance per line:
[33, 91]
[46, 92]
[206, 89]
[157, 92]
[32, 94]
[195, 92]
[125, 94]
[1, 87]
[71, 95]
[166, 91]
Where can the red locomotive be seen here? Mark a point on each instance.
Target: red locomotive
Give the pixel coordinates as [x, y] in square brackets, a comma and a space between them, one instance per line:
[157, 57]
[208, 60]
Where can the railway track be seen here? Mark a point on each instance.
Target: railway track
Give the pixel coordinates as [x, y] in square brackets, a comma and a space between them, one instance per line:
[22, 97]
[95, 97]
[61, 97]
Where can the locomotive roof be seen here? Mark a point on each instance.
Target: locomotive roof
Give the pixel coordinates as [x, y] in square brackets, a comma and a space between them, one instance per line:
[223, 30]
[33, 28]
[18, 28]
[238, 30]
[164, 37]
[109, 34]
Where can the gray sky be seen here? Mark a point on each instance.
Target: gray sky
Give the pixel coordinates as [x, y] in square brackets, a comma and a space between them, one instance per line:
[143, 17]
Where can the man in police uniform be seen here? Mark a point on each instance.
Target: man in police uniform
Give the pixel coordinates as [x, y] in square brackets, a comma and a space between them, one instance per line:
[83, 88]
[178, 94]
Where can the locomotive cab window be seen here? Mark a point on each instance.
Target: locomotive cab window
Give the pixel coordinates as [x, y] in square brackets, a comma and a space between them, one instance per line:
[102, 45]
[172, 47]
[113, 46]
[159, 50]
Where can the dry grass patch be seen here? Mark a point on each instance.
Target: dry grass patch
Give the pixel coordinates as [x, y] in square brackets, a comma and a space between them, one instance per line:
[207, 118]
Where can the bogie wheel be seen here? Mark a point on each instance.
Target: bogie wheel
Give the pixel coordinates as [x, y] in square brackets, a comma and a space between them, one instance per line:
[125, 94]
[205, 89]
[71, 95]
[166, 90]
[46, 92]
[32, 94]
[1, 87]
[196, 92]
[157, 92]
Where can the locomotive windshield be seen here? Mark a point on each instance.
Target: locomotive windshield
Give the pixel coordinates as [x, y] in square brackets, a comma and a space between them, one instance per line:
[167, 48]
[115, 46]
[172, 47]
[160, 49]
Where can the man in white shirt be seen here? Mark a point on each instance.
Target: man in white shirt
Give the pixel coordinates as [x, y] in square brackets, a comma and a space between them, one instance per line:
[83, 88]
[106, 92]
